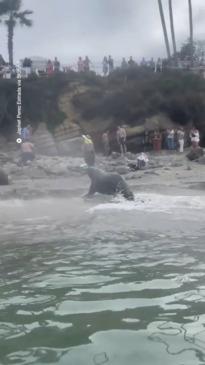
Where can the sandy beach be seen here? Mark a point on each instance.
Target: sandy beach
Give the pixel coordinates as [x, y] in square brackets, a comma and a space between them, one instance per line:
[64, 177]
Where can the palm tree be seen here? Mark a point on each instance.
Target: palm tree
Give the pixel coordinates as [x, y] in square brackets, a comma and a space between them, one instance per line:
[164, 28]
[172, 28]
[191, 22]
[13, 17]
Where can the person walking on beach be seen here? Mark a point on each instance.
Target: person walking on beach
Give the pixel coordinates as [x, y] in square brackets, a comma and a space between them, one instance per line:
[121, 136]
[180, 138]
[106, 143]
[88, 150]
[27, 152]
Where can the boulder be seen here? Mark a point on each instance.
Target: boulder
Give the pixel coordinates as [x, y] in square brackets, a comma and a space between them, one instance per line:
[4, 180]
[195, 154]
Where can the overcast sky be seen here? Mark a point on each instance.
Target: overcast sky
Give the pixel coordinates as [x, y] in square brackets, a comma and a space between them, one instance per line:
[72, 28]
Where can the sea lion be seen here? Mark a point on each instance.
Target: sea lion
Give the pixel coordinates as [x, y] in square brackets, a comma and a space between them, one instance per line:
[104, 183]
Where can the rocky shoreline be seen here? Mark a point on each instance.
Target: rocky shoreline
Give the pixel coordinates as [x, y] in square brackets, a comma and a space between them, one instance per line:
[60, 176]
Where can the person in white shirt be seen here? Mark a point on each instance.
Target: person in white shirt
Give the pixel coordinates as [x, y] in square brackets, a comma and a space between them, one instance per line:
[180, 138]
[121, 139]
[195, 137]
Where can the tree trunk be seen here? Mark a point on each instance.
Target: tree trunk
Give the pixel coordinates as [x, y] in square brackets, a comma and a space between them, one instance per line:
[164, 29]
[191, 22]
[172, 28]
[191, 32]
[10, 39]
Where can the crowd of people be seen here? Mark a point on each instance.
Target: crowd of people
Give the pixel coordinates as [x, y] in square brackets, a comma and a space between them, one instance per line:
[171, 139]
[84, 65]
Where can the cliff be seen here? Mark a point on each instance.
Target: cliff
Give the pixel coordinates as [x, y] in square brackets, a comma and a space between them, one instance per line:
[71, 104]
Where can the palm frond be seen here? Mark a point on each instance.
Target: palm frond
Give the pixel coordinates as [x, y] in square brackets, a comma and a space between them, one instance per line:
[22, 16]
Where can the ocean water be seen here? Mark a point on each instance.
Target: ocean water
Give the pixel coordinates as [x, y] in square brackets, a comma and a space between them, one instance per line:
[103, 281]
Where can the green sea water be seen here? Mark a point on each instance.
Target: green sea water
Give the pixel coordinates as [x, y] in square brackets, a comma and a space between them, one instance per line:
[103, 282]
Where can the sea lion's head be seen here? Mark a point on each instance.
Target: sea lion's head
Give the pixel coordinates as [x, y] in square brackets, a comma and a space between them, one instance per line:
[94, 173]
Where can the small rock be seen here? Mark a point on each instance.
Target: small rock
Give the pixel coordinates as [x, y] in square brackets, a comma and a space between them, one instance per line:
[115, 155]
[195, 154]
[122, 170]
[130, 156]
[202, 160]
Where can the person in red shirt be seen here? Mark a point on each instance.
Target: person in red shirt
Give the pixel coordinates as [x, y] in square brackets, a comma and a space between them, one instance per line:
[49, 67]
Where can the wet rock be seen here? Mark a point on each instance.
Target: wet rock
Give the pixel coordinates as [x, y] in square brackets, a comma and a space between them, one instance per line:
[201, 160]
[130, 156]
[195, 154]
[12, 168]
[115, 155]
[122, 170]
[131, 176]
[50, 168]
[4, 158]
[177, 164]
[4, 180]
[151, 173]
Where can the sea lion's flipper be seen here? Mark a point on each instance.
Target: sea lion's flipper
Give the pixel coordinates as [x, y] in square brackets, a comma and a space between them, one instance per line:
[92, 190]
[123, 189]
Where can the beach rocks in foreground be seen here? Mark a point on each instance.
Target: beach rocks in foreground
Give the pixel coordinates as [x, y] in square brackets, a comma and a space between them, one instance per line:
[195, 154]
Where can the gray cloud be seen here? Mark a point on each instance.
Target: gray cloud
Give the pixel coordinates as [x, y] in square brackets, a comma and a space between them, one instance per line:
[69, 28]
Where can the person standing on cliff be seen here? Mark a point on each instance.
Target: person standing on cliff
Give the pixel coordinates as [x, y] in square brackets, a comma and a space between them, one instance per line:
[121, 137]
[105, 66]
[110, 64]
[87, 63]
[106, 143]
[80, 64]
[56, 65]
[49, 68]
